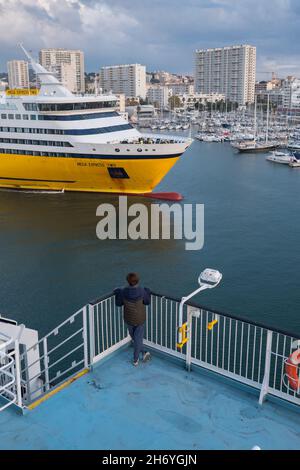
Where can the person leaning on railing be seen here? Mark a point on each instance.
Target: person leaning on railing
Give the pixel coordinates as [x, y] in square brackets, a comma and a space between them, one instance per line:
[134, 298]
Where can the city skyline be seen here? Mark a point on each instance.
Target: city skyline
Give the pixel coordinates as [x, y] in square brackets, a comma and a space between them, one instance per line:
[164, 37]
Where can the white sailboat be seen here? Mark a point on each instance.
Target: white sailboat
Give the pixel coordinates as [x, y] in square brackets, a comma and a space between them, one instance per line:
[254, 146]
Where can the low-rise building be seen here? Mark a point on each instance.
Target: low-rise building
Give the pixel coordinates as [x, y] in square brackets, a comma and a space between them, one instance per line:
[274, 96]
[163, 77]
[3, 85]
[120, 102]
[181, 88]
[291, 96]
[262, 87]
[158, 96]
[190, 101]
[145, 112]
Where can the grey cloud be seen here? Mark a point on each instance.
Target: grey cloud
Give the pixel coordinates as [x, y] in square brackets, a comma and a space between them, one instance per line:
[161, 34]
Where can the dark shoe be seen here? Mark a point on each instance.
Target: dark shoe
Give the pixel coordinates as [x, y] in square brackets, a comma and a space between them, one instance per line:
[146, 356]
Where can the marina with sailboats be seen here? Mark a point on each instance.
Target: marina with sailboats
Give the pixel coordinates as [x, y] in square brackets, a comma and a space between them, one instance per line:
[248, 131]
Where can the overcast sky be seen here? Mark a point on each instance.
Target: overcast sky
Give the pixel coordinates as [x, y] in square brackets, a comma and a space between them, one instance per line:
[162, 34]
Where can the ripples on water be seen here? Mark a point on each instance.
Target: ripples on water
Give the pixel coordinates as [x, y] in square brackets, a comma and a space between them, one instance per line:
[52, 262]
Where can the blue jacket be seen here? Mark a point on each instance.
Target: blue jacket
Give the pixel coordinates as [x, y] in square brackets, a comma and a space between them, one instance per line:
[132, 294]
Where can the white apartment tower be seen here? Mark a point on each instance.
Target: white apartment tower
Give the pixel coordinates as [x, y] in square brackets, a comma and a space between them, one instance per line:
[18, 76]
[127, 79]
[228, 70]
[68, 66]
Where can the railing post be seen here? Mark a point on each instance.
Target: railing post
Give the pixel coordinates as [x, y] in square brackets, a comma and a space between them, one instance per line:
[18, 374]
[26, 370]
[85, 337]
[189, 337]
[46, 364]
[92, 332]
[265, 384]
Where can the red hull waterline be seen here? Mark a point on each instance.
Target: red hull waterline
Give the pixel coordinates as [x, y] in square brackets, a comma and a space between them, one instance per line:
[160, 196]
[164, 196]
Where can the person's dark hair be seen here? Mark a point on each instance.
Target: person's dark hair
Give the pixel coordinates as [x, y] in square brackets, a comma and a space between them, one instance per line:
[132, 279]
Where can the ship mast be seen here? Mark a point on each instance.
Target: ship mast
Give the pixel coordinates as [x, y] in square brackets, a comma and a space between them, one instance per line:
[50, 85]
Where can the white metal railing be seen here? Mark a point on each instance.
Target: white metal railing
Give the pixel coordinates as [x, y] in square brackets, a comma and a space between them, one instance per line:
[10, 389]
[107, 330]
[60, 354]
[249, 353]
[246, 352]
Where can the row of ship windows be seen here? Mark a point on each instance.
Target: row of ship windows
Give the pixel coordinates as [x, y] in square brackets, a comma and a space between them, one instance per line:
[36, 153]
[74, 117]
[33, 130]
[51, 143]
[69, 106]
[25, 117]
[100, 130]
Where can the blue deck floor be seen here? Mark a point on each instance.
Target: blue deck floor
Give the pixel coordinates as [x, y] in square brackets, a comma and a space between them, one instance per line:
[157, 405]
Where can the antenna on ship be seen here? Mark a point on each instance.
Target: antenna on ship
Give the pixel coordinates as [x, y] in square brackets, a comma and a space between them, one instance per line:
[25, 52]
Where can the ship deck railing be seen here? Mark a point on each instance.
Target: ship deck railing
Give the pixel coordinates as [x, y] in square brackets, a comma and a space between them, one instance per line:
[155, 139]
[231, 347]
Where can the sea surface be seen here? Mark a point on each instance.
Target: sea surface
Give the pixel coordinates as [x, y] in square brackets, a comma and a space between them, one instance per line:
[51, 262]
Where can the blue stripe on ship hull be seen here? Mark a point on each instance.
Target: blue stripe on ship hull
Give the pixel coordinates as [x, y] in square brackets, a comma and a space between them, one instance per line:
[97, 157]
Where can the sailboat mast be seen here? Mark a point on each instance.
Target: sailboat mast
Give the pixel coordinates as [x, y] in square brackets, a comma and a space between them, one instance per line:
[255, 118]
[268, 114]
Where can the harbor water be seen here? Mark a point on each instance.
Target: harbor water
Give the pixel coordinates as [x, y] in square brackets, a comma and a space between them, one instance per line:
[52, 262]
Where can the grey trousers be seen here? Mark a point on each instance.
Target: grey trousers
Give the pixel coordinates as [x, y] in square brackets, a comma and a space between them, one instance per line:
[137, 336]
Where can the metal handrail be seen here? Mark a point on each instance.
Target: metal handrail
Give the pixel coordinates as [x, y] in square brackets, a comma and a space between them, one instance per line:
[209, 309]
[6, 376]
[234, 317]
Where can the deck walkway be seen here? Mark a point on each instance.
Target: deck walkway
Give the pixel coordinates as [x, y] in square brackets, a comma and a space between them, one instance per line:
[157, 405]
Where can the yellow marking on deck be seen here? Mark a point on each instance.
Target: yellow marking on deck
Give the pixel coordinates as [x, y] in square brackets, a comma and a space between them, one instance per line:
[57, 389]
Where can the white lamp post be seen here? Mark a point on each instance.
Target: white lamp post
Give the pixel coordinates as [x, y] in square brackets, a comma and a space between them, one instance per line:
[208, 279]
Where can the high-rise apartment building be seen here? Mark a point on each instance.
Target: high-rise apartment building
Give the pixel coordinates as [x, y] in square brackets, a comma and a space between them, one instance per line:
[68, 66]
[127, 79]
[228, 70]
[18, 76]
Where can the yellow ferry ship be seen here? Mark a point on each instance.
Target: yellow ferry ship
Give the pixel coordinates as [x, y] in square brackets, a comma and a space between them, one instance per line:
[55, 140]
